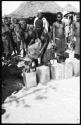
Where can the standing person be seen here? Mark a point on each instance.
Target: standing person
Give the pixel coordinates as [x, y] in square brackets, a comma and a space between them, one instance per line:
[7, 39]
[40, 33]
[19, 33]
[5, 43]
[76, 35]
[66, 21]
[38, 25]
[24, 35]
[70, 40]
[59, 34]
[14, 22]
[45, 22]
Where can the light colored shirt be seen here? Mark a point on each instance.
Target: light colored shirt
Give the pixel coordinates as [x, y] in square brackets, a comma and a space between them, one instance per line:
[66, 26]
[45, 23]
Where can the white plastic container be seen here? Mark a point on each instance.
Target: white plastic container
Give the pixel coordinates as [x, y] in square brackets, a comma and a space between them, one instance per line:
[29, 79]
[76, 67]
[68, 69]
[43, 74]
[57, 71]
[71, 54]
[52, 62]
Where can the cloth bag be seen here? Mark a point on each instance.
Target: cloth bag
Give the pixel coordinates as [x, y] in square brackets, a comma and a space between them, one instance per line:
[34, 49]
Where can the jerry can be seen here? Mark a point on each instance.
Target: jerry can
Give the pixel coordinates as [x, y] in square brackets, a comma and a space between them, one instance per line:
[43, 74]
[76, 67]
[57, 71]
[29, 79]
[68, 69]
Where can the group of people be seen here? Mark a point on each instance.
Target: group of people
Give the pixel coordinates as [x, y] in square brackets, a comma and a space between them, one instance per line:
[18, 35]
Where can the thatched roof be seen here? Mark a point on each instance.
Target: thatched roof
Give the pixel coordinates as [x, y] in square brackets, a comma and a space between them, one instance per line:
[30, 8]
[70, 8]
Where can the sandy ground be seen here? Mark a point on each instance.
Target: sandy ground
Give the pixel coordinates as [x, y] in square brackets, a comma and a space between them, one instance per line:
[56, 102]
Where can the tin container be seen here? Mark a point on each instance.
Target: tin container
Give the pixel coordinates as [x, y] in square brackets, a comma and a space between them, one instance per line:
[57, 71]
[29, 79]
[76, 67]
[43, 74]
[68, 69]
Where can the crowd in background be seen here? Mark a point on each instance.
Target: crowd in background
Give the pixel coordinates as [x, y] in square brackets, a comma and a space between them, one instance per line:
[18, 35]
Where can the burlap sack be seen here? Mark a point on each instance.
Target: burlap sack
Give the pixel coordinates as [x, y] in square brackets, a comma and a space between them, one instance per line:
[34, 50]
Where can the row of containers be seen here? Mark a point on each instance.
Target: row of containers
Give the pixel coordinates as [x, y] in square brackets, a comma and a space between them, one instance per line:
[55, 71]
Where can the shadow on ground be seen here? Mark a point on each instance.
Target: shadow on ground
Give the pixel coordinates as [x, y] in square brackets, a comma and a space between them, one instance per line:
[11, 80]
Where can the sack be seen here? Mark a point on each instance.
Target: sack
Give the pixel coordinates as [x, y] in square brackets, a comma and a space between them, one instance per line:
[34, 50]
[29, 79]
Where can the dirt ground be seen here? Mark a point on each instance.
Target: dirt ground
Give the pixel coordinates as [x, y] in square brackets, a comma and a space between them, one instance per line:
[56, 102]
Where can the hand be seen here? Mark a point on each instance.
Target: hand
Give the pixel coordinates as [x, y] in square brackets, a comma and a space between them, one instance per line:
[54, 44]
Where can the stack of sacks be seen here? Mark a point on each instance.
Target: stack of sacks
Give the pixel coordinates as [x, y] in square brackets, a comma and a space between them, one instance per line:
[43, 74]
[57, 70]
[29, 79]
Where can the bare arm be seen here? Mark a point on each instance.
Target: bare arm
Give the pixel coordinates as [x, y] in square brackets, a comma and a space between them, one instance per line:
[54, 33]
[64, 28]
[73, 29]
[32, 41]
[64, 34]
[43, 48]
[73, 33]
